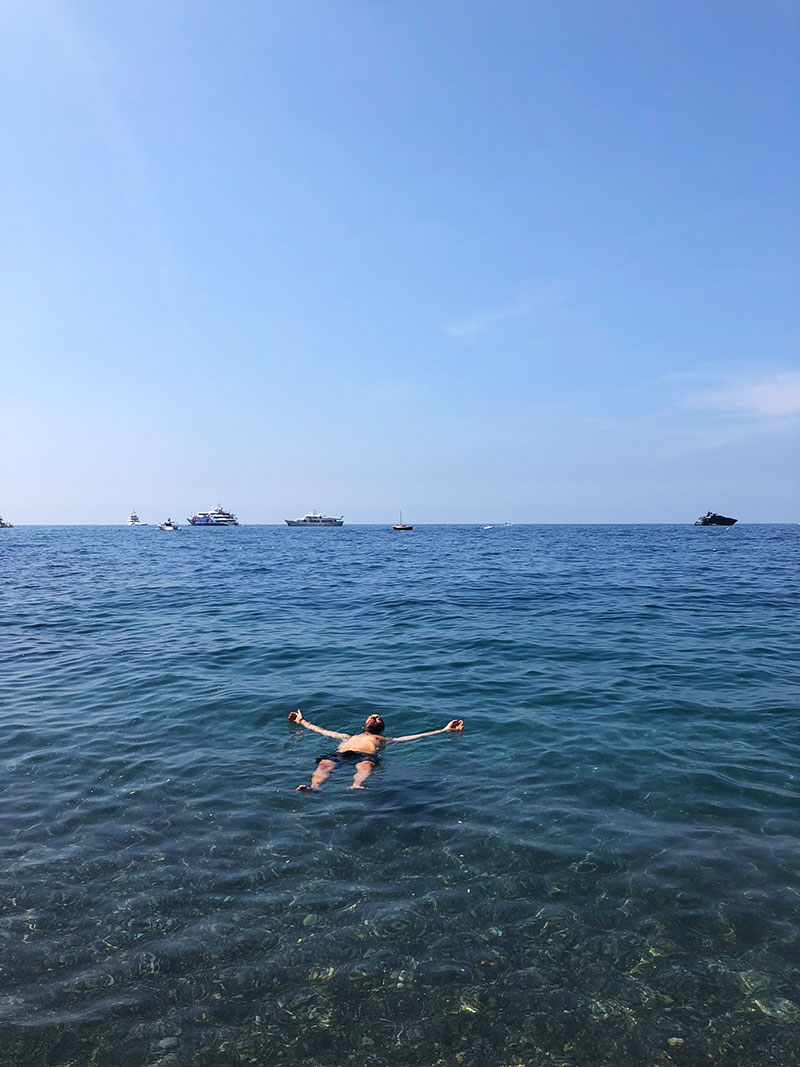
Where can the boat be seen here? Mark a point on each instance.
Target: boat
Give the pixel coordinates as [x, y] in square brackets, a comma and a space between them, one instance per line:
[712, 519]
[313, 518]
[488, 527]
[134, 520]
[401, 525]
[5, 525]
[217, 516]
[168, 525]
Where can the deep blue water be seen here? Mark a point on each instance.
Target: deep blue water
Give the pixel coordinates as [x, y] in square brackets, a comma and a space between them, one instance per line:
[603, 869]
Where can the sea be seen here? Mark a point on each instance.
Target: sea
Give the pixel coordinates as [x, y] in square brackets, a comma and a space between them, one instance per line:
[602, 869]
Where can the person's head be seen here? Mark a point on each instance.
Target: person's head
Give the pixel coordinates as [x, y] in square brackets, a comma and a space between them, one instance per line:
[374, 724]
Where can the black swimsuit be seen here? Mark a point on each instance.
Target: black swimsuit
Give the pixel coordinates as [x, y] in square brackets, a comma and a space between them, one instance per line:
[351, 756]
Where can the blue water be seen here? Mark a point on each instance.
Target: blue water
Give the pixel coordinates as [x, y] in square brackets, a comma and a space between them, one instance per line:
[603, 869]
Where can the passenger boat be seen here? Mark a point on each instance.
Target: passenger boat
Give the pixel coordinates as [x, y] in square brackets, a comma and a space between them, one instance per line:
[313, 518]
[168, 525]
[134, 520]
[217, 516]
[401, 525]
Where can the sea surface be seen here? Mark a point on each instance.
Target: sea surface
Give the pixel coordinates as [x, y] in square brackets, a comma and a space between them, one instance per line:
[602, 870]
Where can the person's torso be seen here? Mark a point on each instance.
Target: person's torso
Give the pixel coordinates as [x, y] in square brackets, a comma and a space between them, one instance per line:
[369, 743]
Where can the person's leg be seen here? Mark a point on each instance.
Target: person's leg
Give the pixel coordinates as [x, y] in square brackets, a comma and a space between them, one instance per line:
[363, 771]
[320, 775]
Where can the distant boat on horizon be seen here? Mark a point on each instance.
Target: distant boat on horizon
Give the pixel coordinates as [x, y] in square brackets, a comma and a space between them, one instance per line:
[134, 520]
[313, 518]
[712, 519]
[168, 525]
[401, 525]
[217, 516]
[5, 525]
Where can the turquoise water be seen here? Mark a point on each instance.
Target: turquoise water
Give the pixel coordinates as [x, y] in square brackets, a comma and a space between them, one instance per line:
[604, 868]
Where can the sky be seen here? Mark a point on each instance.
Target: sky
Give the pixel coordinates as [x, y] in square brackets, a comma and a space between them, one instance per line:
[526, 261]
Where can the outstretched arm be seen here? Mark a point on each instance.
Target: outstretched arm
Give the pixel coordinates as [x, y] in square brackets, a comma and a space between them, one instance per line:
[453, 727]
[297, 716]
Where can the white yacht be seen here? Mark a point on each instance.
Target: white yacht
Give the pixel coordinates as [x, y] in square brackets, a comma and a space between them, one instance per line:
[217, 516]
[168, 525]
[134, 520]
[6, 525]
[313, 518]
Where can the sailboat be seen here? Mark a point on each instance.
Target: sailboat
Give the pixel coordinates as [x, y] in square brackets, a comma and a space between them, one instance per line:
[401, 525]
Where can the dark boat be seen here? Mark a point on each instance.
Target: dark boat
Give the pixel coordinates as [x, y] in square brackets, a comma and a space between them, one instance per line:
[711, 519]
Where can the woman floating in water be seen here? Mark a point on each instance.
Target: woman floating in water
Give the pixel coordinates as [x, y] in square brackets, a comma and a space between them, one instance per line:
[359, 751]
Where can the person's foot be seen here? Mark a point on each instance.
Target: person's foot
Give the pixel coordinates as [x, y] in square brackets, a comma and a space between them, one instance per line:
[303, 789]
[356, 787]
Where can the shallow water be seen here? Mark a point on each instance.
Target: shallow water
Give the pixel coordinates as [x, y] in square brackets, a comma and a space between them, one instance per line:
[604, 868]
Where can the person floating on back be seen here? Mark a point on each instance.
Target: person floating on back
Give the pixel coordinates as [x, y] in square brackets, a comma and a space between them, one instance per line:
[359, 751]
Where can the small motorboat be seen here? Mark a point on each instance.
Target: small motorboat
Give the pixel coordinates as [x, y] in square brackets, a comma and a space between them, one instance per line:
[168, 525]
[401, 525]
[488, 527]
[5, 525]
[712, 519]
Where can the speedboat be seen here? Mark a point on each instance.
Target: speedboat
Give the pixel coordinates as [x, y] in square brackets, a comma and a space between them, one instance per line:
[401, 525]
[217, 516]
[711, 519]
[313, 518]
[488, 527]
[134, 520]
[5, 525]
[168, 525]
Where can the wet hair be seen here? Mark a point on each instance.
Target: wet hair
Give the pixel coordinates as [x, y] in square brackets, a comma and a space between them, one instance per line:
[374, 727]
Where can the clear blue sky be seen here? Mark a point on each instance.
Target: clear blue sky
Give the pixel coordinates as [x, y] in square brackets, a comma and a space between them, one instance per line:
[526, 260]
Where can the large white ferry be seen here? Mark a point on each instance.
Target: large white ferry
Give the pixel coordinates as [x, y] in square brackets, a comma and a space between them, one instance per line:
[134, 520]
[313, 518]
[217, 516]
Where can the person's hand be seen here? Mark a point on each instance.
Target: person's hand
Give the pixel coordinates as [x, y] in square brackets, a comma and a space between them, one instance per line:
[455, 725]
[296, 716]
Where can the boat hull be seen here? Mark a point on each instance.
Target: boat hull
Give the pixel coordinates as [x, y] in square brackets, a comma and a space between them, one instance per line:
[302, 522]
[212, 522]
